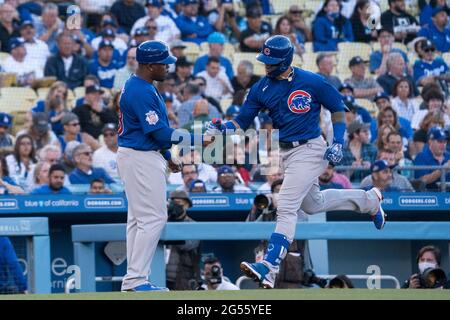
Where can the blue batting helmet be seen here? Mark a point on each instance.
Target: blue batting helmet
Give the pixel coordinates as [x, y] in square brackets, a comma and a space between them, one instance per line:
[153, 51]
[277, 50]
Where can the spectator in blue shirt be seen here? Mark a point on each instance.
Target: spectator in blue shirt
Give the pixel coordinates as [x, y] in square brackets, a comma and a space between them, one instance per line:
[426, 12]
[378, 58]
[104, 67]
[12, 280]
[330, 28]
[437, 31]
[84, 172]
[216, 42]
[395, 70]
[430, 69]
[194, 28]
[433, 154]
[56, 176]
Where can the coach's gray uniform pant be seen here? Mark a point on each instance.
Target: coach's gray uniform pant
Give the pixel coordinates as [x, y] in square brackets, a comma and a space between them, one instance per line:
[144, 176]
[300, 189]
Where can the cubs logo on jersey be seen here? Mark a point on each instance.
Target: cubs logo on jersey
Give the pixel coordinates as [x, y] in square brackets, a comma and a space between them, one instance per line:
[299, 101]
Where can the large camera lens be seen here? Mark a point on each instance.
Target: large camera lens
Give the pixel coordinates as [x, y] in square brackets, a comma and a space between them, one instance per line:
[433, 278]
[261, 202]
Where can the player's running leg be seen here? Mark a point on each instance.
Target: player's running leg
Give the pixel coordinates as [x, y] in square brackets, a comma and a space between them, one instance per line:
[366, 202]
[302, 166]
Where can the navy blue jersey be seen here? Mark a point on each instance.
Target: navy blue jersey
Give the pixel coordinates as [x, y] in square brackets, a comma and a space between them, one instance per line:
[294, 106]
[142, 111]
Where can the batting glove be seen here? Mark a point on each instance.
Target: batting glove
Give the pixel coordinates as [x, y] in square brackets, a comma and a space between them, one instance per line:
[334, 153]
[215, 127]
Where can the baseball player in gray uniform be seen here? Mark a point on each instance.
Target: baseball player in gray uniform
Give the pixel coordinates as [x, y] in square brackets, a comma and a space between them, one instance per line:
[294, 98]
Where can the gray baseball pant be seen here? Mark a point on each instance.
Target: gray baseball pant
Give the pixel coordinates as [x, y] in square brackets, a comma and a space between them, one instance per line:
[300, 189]
[144, 176]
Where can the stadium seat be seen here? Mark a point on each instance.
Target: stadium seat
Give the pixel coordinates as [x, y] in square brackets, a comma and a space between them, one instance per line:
[3, 56]
[42, 93]
[250, 56]
[19, 120]
[79, 92]
[192, 50]
[398, 45]
[446, 57]
[15, 105]
[309, 47]
[282, 7]
[350, 49]
[311, 6]
[309, 61]
[225, 104]
[19, 93]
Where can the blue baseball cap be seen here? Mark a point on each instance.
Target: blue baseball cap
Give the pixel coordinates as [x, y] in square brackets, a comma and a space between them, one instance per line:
[349, 102]
[380, 95]
[154, 3]
[216, 37]
[15, 43]
[26, 23]
[5, 119]
[346, 86]
[224, 169]
[437, 10]
[197, 184]
[379, 165]
[436, 133]
[232, 111]
[106, 43]
[109, 22]
[108, 33]
[188, 2]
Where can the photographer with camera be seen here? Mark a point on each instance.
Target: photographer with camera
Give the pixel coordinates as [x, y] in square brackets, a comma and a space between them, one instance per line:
[430, 275]
[182, 269]
[214, 280]
[292, 268]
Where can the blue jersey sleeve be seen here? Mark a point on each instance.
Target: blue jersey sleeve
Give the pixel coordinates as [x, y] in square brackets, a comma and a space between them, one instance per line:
[329, 97]
[250, 109]
[150, 113]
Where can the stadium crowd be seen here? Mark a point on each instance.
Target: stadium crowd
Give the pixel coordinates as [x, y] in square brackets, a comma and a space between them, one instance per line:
[71, 65]
[396, 92]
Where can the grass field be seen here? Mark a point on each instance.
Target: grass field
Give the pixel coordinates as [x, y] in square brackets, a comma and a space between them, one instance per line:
[298, 294]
